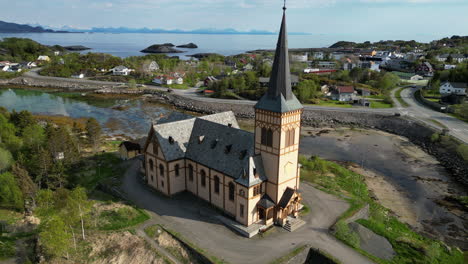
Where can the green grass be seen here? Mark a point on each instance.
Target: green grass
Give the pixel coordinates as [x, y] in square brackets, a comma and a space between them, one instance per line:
[290, 255]
[400, 99]
[409, 246]
[333, 104]
[152, 230]
[179, 86]
[121, 218]
[380, 104]
[9, 216]
[305, 210]
[7, 248]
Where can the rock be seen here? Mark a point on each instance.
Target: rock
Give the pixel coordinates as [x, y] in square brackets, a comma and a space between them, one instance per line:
[204, 55]
[76, 48]
[161, 49]
[373, 243]
[188, 46]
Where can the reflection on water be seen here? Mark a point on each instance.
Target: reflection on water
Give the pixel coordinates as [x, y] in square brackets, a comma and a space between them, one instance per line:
[134, 121]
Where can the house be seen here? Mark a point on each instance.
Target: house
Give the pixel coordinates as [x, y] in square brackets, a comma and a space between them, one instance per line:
[371, 65]
[78, 76]
[43, 58]
[56, 53]
[318, 55]
[5, 68]
[319, 71]
[252, 177]
[368, 52]
[248, 67]
[168, 80]
[449, 66]
[264, 81]
[129, 150]
[455, 57]
[416, 78]
[456, 88]
[364, 92]
[300, 57]
[179, 80]
[151, 66]
[121, 70]
[230, 63]
[4, 63]
[209, 80]
[347, 66]
[425, 69]
[338, 55]
[326, 64]
[343, 93]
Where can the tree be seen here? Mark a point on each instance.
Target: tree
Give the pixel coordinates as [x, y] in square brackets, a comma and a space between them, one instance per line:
[54, 237]
[132, 84]
[22, 119]
[307, 89]
[79, 206]
[6, 160]
[10, 193]
[27, 186]
[462, 111]
[449, 59]
[93, 131]
[33, 136]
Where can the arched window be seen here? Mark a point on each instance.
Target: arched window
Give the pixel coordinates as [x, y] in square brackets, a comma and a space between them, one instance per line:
[161, 170]
[151, 164]
[290, 137]
[190, 172]
[203, 178]
[264, 136]
[177, 170]
[231, 191]
[269, 137]
[216, 184]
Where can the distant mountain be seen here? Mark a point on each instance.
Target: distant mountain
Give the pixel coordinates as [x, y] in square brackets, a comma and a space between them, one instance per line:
[6, 27]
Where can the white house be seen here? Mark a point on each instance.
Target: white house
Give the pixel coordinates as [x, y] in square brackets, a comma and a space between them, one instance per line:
[453, 88]
[5, 68]
[416, 78]
[121, 70]
[179, 80]
[449, 66]
[318, 55]
[31, 64]
[78, 76]
[43, 58]
[248, 67]
[300, 57]
[337, 55]
[151, 66]
[456, 57]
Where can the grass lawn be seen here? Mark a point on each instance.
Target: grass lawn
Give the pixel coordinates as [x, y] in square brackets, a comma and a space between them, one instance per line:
[400, 99]
[179, 86]
[380, 104]
[409, 245]
[333, 104]
[122, 218]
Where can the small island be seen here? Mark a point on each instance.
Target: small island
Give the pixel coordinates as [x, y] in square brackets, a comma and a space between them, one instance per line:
[161, 48]
[76, 48]
[188, 46]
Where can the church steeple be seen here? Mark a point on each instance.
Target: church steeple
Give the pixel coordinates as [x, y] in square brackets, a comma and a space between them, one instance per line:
[279, 97]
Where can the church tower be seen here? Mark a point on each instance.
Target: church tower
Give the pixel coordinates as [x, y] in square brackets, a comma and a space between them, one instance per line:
[278, 124]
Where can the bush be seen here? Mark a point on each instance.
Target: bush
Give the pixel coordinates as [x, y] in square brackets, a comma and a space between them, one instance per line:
[10, 193]
[343, 233]
[462, 150]
[435, 137]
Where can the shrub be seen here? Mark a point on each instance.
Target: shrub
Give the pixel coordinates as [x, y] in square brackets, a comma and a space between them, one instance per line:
[10, 193]
[343, 233]
[462, 150]
[435, 137]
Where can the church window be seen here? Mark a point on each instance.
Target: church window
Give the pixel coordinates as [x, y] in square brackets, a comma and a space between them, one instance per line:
[290, 137]
[267, 137]
[231, 191]
[151, 164]
[216, 184]
[161, 170]
[177, 170]
[256, 190]
[155, 148]
[190, 172]
[241, 210]
[203, 178]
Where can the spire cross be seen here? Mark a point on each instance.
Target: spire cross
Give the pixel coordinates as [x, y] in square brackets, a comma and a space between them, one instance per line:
[284, 7]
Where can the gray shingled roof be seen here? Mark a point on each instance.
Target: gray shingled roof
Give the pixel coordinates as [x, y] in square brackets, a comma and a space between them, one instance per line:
[181, 131]
[266, 202]
[221, 149]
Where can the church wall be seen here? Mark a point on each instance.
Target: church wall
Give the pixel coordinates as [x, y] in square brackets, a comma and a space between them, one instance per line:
[162, 177]
[177, 182]
[243, 210]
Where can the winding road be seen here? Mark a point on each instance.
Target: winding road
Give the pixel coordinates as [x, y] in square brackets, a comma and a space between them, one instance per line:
[437, 120]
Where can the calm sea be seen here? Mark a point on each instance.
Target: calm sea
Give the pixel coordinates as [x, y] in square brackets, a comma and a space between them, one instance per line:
[130, 44]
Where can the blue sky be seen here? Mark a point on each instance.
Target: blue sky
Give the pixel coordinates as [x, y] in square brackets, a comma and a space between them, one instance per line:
[392, 17]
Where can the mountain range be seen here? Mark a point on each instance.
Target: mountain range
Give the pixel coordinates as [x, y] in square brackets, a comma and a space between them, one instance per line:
[6, 27]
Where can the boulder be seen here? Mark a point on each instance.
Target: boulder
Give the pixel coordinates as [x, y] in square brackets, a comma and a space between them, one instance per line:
[373, 243]
[203, 55]
[161, 49]
[188, 46]
[76, 48]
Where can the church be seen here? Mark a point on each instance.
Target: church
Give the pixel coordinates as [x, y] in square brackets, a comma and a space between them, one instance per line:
[252, 177]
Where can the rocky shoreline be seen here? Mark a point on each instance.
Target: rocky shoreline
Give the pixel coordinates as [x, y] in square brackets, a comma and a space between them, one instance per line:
[415, 131]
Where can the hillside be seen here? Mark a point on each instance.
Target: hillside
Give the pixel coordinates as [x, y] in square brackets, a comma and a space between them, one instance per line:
[6, 27]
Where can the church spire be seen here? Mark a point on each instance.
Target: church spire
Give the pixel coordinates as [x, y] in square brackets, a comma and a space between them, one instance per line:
[279, 97]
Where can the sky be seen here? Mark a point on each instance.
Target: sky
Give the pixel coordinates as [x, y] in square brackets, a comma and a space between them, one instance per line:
[353, 17]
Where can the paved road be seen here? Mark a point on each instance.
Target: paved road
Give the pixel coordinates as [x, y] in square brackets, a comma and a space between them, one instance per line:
[457, 128]
[193, 219]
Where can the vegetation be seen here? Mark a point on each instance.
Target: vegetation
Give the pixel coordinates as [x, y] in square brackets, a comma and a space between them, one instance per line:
[290, 255]
[400, 99]
[21, 49]
[409, 246]
[122, 218]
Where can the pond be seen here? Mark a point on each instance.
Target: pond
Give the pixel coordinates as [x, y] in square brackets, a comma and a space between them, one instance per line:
[130, 117]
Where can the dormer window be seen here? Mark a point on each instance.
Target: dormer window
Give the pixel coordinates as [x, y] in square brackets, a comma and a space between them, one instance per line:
[227, 149]
[171, 140]
[229, 125]
[201, 139]
[242, 155]
[255, 172]
[214, 143]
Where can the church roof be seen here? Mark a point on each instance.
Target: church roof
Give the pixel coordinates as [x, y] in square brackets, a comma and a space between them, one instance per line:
[279, 97]
[216, 142]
